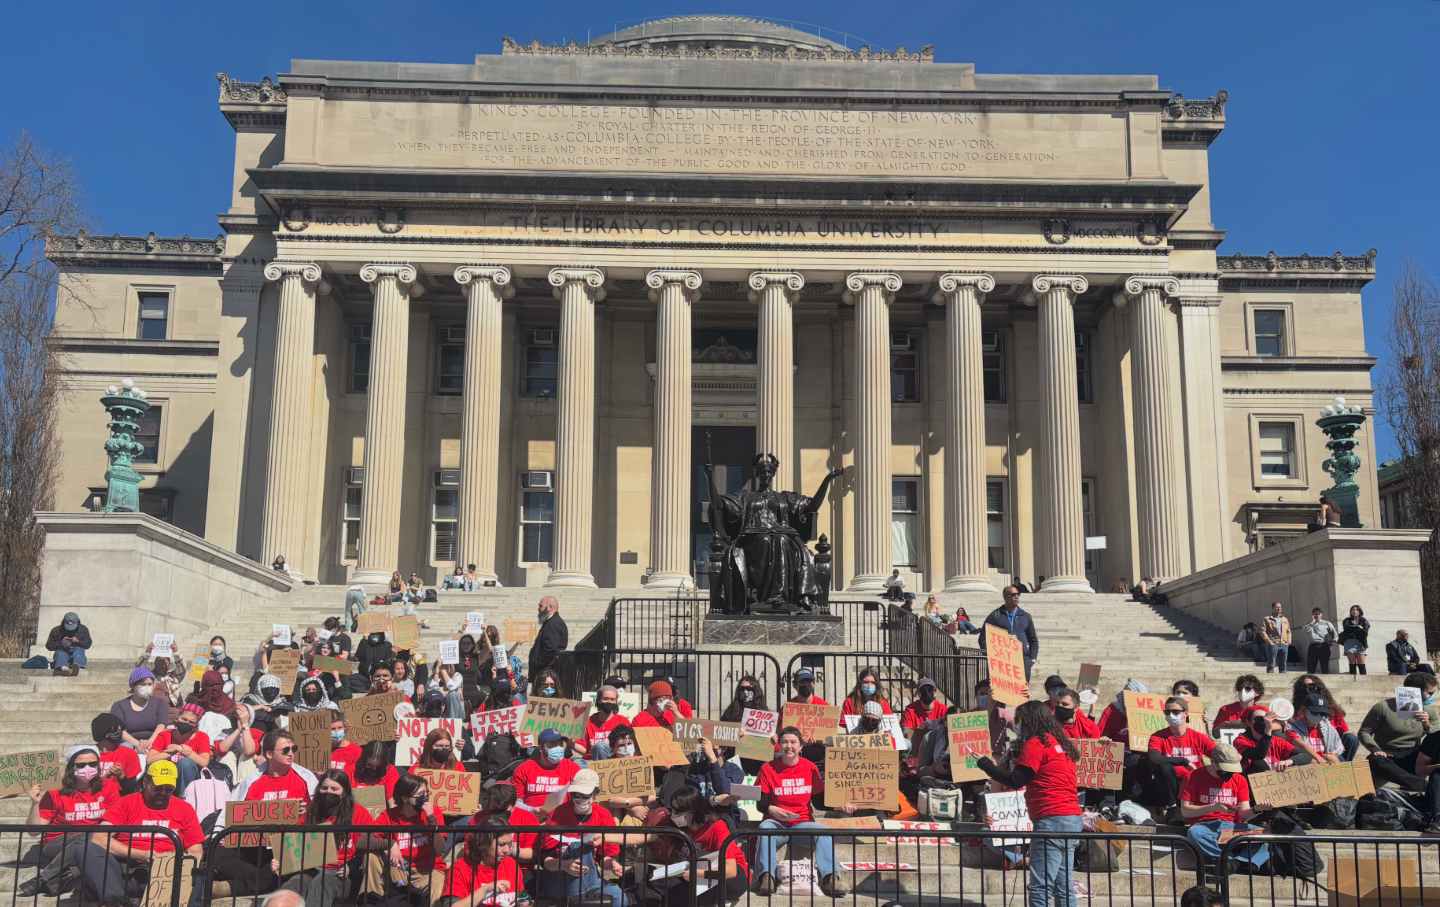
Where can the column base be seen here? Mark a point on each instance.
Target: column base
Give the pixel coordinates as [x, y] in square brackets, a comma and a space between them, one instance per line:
[571, 580]
[868, 582]
[669, 582]
[370, 576]
[969, 584]
[1066, 584]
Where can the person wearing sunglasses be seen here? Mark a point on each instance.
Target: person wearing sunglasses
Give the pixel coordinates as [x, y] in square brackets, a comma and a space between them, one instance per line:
[81, 799]
[280, 777]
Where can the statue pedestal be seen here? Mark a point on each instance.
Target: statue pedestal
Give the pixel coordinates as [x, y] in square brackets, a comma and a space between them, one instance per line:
[773, 630]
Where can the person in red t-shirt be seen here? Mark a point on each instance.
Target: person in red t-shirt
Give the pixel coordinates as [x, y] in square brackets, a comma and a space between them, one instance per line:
[691, 812]
[867, 689]
[660, 710]
[486, 868]
[111, 853]
[183, 745]
[924, 709]
[117, 761]
[1261, 749]
[1076, 724]
[413, 858]
[788, 784]
[333, 805]
[343, 755]
[571, 863]
[498, 803]
[374, 769]
[280, 778]
[605, 718]
[1174, 753]
[804, 683]
[1215, 799]
[1045, 769]
[79, 802]
[1248, 690]
[547, 772]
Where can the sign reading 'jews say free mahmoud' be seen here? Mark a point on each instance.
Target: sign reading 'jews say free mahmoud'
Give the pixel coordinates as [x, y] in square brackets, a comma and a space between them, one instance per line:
[1006, 660]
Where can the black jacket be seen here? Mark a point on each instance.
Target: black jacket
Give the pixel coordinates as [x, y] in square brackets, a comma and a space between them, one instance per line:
[370, 654]
[58, 633]
[1024, 630]
[552, 639]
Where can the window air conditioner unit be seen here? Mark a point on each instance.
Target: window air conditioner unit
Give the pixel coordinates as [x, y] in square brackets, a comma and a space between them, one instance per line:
[355, 475]
[544, 337]
[900, 340]
[538, 481]
[447, 478]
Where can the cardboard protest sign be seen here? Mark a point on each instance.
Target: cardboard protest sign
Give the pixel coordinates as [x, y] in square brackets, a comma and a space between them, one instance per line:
[300, 851]
[1346, 779]
[371, 798]
[474, 623]
[311, 731]
[449, 651]
[280, 634]
[969, 734]
[1379, 881]
[852, 822]
[284, 664]
[858, 741]
[18, 771]
[631, 776]
[864, 777]
[754, 747]
[405, 632]
[371, 717]
[1297, 784]
[452, 793]
[889, 724]
[721, 733]
[814, 722]
[410, 745]
[661, 746]
[199, 664]
[917, 840]
[160, 890]
[496, 721]
[630, 705]
[373, 622]
[516, 632]
[564, 715]
[1144, 714]
[1006, 660]
[330, 663]
[1089, 678]
[244, 813]
[162, 645]
[1101, 765]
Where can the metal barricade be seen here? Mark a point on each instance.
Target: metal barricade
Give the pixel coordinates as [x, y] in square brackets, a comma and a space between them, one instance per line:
[920, 865]
[707, 680]
[116, 863]
[1396, 870]
[655, 623]
[864, 623]
[897, 675]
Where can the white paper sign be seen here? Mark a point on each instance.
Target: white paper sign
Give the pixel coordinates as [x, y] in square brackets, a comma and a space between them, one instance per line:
[410, 745]
[629, 702]
[450, 651]
[1007, 812]
[280, 634]
[474, 623]
[162, 645]
[498, 657]
[759, 722]
[1408, 701]
[888, 723]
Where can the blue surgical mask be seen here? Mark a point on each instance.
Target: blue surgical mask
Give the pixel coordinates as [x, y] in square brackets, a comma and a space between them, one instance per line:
[337, 735]
[868, 689]
[555, 753]
[548, 691]
[1430, 700]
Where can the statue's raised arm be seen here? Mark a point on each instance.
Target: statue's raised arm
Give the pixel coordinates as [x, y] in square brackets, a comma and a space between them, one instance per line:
[820, 492]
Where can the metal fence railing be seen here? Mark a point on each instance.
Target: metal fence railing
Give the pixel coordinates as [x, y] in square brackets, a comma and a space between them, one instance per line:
[705, 679]
[1331, 869]
[655, 623]
[110, 864]
[897, 675]
[864, 622]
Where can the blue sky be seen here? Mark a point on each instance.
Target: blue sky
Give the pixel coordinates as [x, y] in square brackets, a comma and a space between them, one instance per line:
[1331, 143]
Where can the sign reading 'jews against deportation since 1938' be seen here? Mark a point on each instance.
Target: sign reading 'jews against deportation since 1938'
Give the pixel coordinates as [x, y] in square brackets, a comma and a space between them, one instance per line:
[1101, 765]
[371, 717]
[1006, 660]
[864, 777]
[969, 742]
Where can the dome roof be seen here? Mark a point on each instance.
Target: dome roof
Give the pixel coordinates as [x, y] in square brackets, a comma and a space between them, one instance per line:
[716, 31]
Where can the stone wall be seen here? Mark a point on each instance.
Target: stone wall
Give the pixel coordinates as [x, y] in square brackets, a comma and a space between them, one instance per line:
[130, 576]
[1377, 569]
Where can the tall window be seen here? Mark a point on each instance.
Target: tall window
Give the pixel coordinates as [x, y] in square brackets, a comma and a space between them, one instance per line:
[450, 361]
[1083, 381]
[1277, 450]
[905, 522]
[904, 367]
[360, 358]
[148, 434]
[350, 531]
[445, 516]
[995, 535]
[993, 345]
[537, 518]
[1087, 508]
[542, 363]
[154, 316]
[1269, 332]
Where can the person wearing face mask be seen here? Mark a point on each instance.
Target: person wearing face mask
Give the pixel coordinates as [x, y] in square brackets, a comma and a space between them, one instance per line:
[414, 864]
[692, 813]
[553, 638]
[867, 689]
[281, 778]
[546, 684]
[870, 717]
[606, 718]
[375, 769]
[312, 696]
[1312, 685]
[924, 709]
[1188, 690]
[218, 658]
[117, 760]
[789, 785]
[333, 805]
[267, 696]
[499, 805]
[438, 752]
[1075, 723]
[210, 694]
[142, 712]
[1216, 799]
[343, 754]
[1263, 750]
[108, 855]
[661, 710]
[1311, 726]
[572, 869]
[543, 774]
[1114, 724]
[374, 650]
[486, 870]
[803, 681]
[79, 802]
[1174, 753]
[1248, 690]
[183, 745]
[749, 694]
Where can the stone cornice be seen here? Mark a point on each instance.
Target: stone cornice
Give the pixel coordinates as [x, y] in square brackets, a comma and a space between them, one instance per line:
[179, 252]
[684, 51]
[1297, 363]
[1194, 120]
[1304, 265]
[261, 103]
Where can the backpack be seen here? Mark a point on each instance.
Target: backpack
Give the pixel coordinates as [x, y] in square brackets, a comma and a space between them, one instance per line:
[1375, 814]
[498, 753]
[207, 794]
[1410, 815]
[1296, 859]
[1338, 813]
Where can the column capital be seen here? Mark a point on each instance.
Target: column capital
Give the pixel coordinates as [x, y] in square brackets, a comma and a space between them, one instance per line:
[689, 280]
[792, 281]
[593, 279]
[307, 271]
[952, 282]
[403, 273]
[1075, 283]
[856, 283]
[498, 275]
[1139, 283]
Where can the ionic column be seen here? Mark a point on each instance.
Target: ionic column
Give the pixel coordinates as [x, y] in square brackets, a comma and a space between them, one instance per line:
[485, 286]
[674, 291]
[775, 291]
[385, 421]
[1059, 516]
[871, 294]
[967, 567]
[578, 289]
[1162, 556]
[286, 482]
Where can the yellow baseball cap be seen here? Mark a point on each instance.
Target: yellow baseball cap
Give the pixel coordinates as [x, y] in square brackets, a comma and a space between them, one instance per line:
[163, 773]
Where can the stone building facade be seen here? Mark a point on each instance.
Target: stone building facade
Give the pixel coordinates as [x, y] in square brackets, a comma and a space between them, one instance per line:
[502, 313]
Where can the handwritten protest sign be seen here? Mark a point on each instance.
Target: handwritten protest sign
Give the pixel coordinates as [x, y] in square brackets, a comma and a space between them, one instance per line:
[1101, 765]
[301, 851]
[18, 771]
[889, 724]
[496, 721]
[721, 733]
[449, 652]
[1006, 661]
[474, 623]
[280, 634]
[311, 731]
[760, 722]
[858, 741]
[160, 890]
[371, 717]
[337, 665]
[1347, 779]
[452, 793]
[630, 776]
[813, 721]
[371, 798]
[405, 632]
[566, 716]
[245, 813]
[162, 645]
[864, 777]
[1298, 784]
[1145, 714]
[969, 734]
[852, 822]
[629, 701]
[660, 745]
[373, 622]
[410, 745]
[515, 632]
[199, 664]
[284, 663]
[1007, 812]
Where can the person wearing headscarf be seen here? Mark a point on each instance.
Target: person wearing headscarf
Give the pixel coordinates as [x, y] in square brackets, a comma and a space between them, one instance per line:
[266, 698]
[210, 695]
[312, 696]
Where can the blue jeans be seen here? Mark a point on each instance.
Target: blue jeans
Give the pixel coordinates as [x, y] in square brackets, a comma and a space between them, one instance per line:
[1052, 861]
[64, 659]
[189, 771]
[1276, 656]
[562, 885]
[1206, 836]
[354, 606]
[765, 849]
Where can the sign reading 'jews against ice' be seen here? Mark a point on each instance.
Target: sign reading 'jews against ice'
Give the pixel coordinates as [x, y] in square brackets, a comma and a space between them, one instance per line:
[622, 778]
[1101, 765]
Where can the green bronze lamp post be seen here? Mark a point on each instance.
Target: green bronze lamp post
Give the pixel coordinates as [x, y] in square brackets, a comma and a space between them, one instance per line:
[1340, 422]
[125, 405]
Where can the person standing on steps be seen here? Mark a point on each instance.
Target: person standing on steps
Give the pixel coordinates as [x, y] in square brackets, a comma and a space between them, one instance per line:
[553, 638]
[1276, 634]
[1320, 634]
[1016, 621]
[1355, 639]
